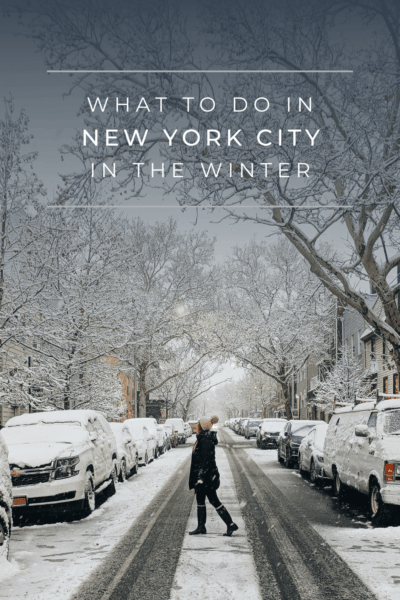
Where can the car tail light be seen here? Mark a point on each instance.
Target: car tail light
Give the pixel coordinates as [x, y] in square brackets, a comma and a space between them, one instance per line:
[389, 469]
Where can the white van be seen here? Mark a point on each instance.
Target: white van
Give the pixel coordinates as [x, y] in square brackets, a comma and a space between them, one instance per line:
[179, 427]
[362, 451]
[60, 457]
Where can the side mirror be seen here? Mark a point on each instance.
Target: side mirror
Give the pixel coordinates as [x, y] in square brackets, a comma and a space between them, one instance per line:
[362, 431]
[285, 434]
[93, 436]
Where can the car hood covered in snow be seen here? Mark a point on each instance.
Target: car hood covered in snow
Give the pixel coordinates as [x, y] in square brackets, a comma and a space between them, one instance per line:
[37, 445]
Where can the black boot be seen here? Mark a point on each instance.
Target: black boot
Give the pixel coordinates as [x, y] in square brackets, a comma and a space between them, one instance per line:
[201, 519]
[227, 519]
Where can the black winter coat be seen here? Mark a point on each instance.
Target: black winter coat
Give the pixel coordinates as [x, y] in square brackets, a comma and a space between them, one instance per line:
[203, 465]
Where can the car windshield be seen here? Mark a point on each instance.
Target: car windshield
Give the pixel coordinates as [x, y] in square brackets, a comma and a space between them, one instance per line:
[391, 424]
[136, 431]
[253, 423]
[301, 430]
[43, 432]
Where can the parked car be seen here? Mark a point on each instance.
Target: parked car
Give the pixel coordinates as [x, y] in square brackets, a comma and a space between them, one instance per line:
[143, 439]
[237, 425]
[268, 433]
[232, 422]
[290, 439]
[172, 435]
[250, 428]
[128, 457]
[155, 434]
[311, 453]
[188, 431]
[6, 499]
[180, 428]
[61, 458]
[362, 451]
[163, 439]
[242, 425]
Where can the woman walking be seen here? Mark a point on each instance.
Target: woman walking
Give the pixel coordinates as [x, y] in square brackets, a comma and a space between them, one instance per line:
[204, 478]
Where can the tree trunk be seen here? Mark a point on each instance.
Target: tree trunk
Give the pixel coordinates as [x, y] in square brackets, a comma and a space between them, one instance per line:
[142, 393]
[288, 408]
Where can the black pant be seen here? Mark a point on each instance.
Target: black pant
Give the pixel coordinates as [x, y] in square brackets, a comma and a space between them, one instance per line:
[203, 491]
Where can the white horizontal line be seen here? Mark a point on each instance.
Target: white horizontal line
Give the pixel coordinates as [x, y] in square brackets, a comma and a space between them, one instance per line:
[196, 206]
[212, 71]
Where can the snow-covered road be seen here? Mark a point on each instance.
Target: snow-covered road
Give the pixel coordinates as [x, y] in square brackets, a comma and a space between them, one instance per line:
[227, 562]
[372, 553]
[294, 541]
[49, 562]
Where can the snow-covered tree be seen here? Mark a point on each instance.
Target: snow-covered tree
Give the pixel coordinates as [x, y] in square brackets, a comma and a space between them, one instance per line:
[276, 314]
[351, 147]
[80, 321]
[181, 392]
[172, 279]
[343, 383]
[26, 270]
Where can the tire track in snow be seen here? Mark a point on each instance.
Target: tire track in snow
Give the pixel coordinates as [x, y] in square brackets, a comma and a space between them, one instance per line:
[285, 546]
[142, 566]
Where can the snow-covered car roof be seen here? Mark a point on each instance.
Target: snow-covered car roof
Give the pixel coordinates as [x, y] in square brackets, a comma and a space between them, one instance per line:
[273, 426]
[364, 406]
[54, 416]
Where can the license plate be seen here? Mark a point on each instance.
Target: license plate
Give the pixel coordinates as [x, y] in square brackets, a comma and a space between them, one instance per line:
[20, 501]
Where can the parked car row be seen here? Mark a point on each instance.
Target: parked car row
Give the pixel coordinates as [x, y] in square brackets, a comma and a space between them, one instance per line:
[359, 449]
[64, 458]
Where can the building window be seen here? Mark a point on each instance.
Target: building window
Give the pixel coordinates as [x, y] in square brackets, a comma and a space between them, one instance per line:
[396, 383]
[372, 348]
[353, 348]
[359, 341]
[386, 385]
[127, 386]
[383, 348]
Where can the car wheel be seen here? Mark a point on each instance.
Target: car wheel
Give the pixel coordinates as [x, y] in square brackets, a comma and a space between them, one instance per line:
[301, 470]
[156, 453]
[89, 503]
[146, 459]
[288, 462]
[4, 535]
[337, 486]
[122, 473]
[136, 467]
[112, 488]
[313, 473]
[379, 511]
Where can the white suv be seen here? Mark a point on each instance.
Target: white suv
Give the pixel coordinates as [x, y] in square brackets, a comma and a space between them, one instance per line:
[5, 499]
[61, 457]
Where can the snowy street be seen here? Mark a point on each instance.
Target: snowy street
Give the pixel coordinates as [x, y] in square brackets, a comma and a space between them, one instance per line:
[294, 540]
[51, 560]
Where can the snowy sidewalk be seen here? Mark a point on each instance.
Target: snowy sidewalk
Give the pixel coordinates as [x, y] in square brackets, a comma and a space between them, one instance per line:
[49, 562]
[211, 566]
